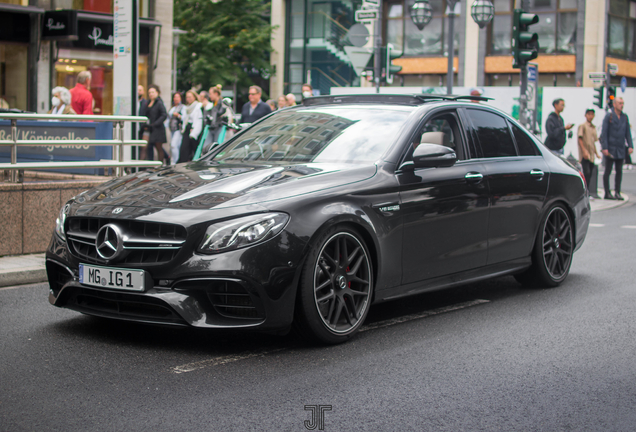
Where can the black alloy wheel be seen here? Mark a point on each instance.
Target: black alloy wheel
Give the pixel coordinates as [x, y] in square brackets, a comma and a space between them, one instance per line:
[336, 286]
[552, 254]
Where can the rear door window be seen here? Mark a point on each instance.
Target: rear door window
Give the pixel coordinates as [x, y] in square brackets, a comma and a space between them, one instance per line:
[493, 134]
[524, 143]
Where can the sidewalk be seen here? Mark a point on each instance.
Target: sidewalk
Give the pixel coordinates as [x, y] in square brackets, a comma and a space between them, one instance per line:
[27, 269]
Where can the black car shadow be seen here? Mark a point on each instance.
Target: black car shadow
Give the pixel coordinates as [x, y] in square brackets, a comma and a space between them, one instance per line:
[193, 341]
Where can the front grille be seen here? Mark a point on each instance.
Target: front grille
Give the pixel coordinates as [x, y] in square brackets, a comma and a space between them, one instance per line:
[143, 242]
[122, 305]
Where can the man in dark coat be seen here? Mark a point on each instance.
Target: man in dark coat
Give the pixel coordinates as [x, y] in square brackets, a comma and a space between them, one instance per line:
[255, 108]
[556, 128]
[614, 135]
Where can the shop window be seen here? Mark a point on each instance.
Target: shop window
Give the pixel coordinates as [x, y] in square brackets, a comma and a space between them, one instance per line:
[431, 41]
[621, 29]
[556, 27]
[13, 76]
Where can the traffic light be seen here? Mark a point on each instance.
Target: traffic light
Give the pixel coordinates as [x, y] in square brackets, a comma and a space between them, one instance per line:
[611, 95]
[391, 69]
[525, 44]
[598, 97]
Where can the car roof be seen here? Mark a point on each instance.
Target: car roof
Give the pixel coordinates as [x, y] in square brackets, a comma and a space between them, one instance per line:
[387, 99]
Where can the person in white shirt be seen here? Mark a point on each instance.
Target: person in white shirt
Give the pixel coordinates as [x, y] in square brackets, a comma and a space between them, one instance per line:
[174, 123]
[192, 127]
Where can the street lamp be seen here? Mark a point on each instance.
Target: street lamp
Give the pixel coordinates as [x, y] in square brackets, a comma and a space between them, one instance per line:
[421, 14]
[482, 12]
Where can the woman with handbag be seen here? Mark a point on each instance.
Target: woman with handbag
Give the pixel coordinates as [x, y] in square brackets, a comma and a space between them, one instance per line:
[156, 113]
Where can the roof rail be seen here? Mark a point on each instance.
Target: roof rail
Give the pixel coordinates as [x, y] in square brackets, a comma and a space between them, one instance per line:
[395, 99]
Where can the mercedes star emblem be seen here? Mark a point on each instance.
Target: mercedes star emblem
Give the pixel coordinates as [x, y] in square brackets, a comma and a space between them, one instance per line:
[118, 210]
[109, 242]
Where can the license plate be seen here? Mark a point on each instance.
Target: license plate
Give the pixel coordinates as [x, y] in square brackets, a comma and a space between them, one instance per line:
[110, 277]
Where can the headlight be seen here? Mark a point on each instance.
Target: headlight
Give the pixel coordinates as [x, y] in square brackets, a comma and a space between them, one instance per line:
[59, 222]
[242, 232]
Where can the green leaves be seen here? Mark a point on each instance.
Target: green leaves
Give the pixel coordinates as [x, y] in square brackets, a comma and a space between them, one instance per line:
[227, 40]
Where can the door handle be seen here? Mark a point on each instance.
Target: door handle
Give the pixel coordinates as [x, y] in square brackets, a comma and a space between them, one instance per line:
[537, 173]
[474, 177]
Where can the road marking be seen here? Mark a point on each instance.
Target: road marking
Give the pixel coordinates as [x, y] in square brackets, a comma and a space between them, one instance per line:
[629, 226]
[425, 314]
[597, 225]
[217, 361]
[222, 360]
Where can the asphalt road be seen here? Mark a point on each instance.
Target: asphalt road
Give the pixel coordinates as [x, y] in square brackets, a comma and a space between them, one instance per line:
[487, 356]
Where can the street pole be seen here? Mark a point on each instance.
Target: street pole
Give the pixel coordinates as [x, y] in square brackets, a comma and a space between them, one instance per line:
[523, 96]
[450, 73]
[377, 67]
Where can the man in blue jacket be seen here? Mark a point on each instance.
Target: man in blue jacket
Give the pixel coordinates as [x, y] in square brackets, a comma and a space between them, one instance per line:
[614, 136]
[255, 108]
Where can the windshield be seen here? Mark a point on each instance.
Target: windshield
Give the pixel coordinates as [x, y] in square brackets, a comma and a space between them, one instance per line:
[325, 134]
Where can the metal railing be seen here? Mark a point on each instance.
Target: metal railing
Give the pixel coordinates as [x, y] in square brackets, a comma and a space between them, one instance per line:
[118, 142]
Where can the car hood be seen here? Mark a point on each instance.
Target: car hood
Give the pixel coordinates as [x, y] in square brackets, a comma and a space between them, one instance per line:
[206, 185]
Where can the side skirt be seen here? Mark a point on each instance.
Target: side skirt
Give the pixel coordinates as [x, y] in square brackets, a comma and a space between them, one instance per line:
[453, 280]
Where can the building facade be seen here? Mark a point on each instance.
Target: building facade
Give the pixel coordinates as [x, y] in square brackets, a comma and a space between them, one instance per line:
[32, 62]
[576, 37]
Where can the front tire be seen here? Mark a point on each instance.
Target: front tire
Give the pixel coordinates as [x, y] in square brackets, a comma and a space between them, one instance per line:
[335, 287]
[553, 250]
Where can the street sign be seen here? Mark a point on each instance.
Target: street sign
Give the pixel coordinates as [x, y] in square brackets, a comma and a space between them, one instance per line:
[612, 68]
[358, 35]
[597, 77]
[370, 4]
[623, 84]
[359, 57]
[366, 15]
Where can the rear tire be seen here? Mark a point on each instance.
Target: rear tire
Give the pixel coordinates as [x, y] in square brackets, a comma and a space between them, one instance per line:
[335, 287]
[553, 250]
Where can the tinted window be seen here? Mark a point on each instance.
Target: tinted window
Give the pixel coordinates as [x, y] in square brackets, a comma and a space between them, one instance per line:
[524, 142]
[493, 134]
[321, 134]
[442, 130]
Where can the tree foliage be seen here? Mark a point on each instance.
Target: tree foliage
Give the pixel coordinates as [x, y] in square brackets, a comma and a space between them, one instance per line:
[226, 41]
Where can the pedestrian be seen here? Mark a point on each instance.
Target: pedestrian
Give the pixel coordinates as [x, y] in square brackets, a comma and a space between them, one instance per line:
[141, 100]
[221, 115]
[156, 113]
[475, 92]
[556, 128]
[192, 127]
[282, 101]
[587, 137]
[81, 97]
[307, 91]
[61, 101]
[272, 104]
[175, 120]
[291, 100]
[255, 108]
[614, 134]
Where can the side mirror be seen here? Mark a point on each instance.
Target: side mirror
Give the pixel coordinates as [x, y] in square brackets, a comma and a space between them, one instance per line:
[433, 156]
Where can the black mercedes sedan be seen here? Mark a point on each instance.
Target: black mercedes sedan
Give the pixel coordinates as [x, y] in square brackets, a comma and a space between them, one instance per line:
[314, 213]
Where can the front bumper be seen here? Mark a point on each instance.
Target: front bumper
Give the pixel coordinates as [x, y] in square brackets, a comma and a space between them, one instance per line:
[248, 288]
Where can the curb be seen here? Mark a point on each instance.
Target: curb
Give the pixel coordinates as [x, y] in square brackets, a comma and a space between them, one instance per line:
[23, 277]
